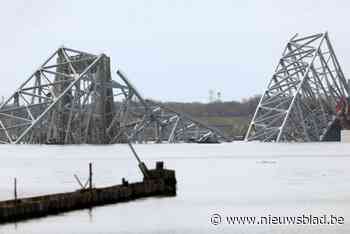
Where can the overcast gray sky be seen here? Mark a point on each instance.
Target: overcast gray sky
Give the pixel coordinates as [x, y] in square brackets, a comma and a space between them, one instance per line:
[171, 50]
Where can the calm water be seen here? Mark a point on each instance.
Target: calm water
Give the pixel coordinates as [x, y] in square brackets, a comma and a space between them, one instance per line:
[237, 179]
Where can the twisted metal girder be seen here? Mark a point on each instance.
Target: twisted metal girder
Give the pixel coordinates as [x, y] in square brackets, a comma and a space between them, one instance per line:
[299, 102]
[144, 120]
[72, 99]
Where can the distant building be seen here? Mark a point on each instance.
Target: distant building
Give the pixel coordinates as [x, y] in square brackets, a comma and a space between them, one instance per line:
[211, 96]
[218, 97]
[214, 96]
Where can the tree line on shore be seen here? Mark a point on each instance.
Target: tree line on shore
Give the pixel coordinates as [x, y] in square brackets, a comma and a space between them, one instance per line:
[232, 117]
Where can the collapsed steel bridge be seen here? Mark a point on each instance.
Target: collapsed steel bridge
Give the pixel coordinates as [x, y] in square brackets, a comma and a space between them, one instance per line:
[72, 99]
[300, 101]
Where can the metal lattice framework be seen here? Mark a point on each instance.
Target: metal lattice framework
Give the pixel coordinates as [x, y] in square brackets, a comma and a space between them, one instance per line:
[59, 101]
[72, 99]
[300, 99]
[144, 120]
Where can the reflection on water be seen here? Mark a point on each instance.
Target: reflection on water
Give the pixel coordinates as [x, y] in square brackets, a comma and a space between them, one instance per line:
[237, 179]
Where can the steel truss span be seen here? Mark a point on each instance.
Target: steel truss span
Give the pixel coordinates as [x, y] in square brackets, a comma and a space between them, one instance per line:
[300, 99]
[72, 99]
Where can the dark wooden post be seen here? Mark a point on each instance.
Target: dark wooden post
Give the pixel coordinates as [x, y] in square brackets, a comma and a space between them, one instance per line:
[15, 189]
[90, 183]
[90, 176]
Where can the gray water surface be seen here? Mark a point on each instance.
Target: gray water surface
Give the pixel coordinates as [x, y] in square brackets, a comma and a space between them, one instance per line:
[235, 179]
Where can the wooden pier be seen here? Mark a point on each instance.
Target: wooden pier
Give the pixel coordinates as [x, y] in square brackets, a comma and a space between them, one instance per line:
[159, 182]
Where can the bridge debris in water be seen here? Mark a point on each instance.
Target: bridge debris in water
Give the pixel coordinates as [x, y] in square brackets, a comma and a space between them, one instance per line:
[72, 99]
[300, 101]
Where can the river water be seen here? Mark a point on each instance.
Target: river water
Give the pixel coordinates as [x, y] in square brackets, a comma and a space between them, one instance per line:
[231, 179]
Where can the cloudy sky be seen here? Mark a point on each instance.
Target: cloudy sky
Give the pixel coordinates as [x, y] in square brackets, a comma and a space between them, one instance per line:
[171, 50]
